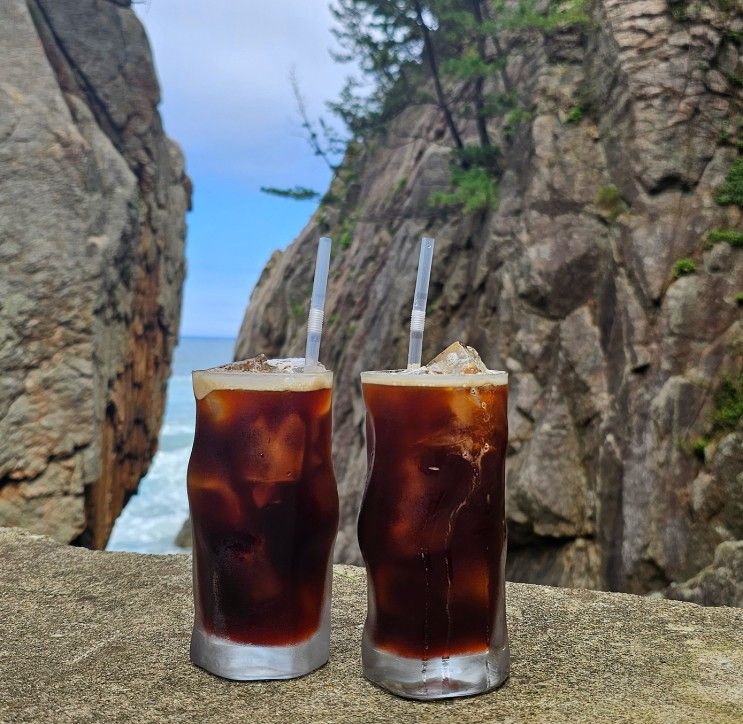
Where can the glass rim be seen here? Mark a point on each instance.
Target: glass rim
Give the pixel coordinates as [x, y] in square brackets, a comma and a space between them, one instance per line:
[404, 378]
[209, 380]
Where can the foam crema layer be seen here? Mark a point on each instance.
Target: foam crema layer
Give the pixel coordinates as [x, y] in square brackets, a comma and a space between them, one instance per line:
[274, 375]
[422, 378]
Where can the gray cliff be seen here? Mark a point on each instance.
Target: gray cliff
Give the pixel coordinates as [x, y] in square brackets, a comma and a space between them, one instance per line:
[92, 224]
[616, 362]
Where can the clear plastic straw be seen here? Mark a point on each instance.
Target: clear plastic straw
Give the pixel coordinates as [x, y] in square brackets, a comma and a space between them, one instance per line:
[317, 305]
[418, 315]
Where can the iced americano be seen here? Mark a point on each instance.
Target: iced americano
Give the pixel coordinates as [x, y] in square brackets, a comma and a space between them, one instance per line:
[264, 509]
[432, 527]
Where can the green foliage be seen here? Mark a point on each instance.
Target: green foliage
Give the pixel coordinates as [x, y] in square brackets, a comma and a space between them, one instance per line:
[525, 15]
[739, 299]
[401, 184]
[730, 236]
[609, 200]
[699, 446]
[407, 49]
[569, 14]
[679, 12]
[343, 238]
[298, 193]
[496, 103]
[400, 45]
[608, 196]
[575, 115]
[474, 189]
[329, 198]
[728, 404]
[731, 190]
[469, 65]
[727, 411]
[683, 267]
[513, 119]
[297, 310]
[485, 157]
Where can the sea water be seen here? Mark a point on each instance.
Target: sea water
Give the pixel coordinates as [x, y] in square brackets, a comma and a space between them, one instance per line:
[152, 518]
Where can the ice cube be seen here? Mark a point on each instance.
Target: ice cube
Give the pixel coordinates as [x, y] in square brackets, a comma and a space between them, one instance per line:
[457, 359]
[263, 494]
[471, 583]
[248, 574]
[215, 501]
[217, 406]
[419, 520]
[389, 582]
[261, 363]
[253, 364]
[275, 451]
[467, 407]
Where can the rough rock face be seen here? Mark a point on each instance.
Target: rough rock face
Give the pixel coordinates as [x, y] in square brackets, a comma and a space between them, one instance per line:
[719, 584]
[92, 204]
[569, 285]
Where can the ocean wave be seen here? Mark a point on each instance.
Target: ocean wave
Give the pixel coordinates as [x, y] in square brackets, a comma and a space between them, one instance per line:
[178, 428]
[155, 514]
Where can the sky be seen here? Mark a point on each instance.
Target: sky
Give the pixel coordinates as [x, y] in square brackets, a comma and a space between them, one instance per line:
[224, 68]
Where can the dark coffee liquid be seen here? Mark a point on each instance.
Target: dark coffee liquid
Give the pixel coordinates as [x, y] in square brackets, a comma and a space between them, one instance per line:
[432, 524]
[264, 509]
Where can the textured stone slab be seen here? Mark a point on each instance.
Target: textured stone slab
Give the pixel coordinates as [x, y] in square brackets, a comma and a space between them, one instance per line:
[91, 637]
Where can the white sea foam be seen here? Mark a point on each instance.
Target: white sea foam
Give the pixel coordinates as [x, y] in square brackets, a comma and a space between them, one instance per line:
[154, 515]
[177, 428]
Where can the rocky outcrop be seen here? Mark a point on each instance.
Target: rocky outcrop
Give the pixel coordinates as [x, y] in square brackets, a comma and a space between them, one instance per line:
[614, 358]
[92, 204]
[104, 652]
[719, 584]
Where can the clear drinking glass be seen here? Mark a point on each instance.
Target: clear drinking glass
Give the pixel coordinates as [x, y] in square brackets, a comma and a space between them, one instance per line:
[264, 510]
[432, 533]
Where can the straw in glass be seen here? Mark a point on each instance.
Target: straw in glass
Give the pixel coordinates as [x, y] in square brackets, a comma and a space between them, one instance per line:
[317, 305]
[418, 315]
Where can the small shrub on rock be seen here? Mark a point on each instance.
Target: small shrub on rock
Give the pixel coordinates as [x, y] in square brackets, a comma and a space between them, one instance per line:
[683, 267]
[730, 236]
[731, 190]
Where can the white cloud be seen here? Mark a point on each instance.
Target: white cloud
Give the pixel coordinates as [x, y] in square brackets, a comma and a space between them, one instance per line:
[223, 67]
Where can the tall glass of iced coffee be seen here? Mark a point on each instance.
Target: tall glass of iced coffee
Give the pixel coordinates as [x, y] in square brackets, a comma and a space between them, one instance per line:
[264, 509]
[432, 527]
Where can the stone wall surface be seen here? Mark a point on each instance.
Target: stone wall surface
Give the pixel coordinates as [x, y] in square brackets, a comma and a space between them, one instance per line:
[92, 223]
[569, 285]
[103, 637]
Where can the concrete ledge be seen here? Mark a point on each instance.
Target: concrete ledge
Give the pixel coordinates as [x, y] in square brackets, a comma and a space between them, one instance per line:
[91, 637]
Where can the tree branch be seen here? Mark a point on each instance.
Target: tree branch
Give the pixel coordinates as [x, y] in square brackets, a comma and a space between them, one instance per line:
[432, 64]
[479, 103]
[312, 138]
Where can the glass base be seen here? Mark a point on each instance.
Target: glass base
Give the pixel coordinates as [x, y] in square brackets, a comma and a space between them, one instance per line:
[248, 662]
[435, 678]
